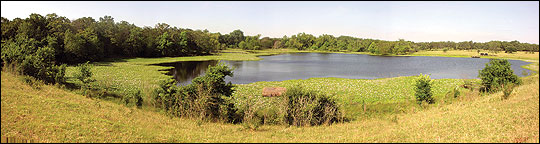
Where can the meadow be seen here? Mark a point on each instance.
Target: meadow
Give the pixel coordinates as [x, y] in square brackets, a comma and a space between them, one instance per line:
[382, 110]
[49, 114]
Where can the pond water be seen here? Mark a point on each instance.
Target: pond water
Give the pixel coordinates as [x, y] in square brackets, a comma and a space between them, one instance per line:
[354, 66]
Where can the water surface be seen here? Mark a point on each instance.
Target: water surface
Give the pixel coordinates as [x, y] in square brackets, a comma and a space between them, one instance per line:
[354, 66]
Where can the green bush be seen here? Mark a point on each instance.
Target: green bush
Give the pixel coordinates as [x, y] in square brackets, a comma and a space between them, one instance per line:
[134, 98]
[310, 108]
[84, 73]
[207, 97]
[423, 90]
[33, 60]
[497, 73]
[164, 95]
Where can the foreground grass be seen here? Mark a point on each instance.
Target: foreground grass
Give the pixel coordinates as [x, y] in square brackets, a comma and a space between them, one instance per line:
[386, 95]
[50, 114]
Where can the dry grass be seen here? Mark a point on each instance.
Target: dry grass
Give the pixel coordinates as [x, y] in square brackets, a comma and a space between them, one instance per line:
[51, 114]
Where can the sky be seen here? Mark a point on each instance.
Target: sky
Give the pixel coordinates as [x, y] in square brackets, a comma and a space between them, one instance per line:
[417, 21]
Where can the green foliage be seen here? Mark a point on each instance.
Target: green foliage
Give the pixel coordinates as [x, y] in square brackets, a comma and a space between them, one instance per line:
[310, 108]
[423, 90]
[85, 39]
[251, 43]
[510, 49]
[207, 97]
[33, 59]
[84, 73]
[497, 73]
[134, 98]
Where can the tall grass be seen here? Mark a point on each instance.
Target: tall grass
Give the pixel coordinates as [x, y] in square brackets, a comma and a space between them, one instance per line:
[305, 108]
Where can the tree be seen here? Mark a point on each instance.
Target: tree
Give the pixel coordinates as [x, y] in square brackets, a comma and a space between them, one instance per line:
[266, 42]
[165, 45]
[236, 37]
[32, 59]
[372, 48]
[496, 74]
[423, 90]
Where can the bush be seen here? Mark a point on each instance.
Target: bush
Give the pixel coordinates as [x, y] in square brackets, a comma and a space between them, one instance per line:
[310, 108]
[135, 97]
[496, 73]
[456, 92]
[84, 73]
[207, 97]
[32, 60]
[423, 90]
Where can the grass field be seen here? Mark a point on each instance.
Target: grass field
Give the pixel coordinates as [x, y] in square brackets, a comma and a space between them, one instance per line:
[520, 55]
[50, 114]
[132, 74]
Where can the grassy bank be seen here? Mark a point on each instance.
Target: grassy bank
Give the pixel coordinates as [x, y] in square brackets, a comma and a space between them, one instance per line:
[131, 74]
[126, 76]
[50, 114]
[520, 55]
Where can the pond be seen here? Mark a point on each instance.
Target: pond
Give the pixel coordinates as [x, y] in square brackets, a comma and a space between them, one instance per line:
[354, 66]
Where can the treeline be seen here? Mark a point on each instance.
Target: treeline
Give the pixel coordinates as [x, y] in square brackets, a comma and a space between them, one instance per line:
[87, 39]
[39, 44]
[326, 42]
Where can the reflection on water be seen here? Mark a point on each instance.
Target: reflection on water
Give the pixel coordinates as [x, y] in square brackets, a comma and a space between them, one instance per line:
[308, 65]
[185, 71]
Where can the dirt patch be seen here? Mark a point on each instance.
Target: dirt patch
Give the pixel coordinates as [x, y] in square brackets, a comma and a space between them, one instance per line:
[273, 91]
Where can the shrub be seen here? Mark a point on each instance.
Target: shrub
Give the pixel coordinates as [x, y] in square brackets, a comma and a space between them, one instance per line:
[138, 99]
[445, 49]
[164, 94]
[84, 73]
[496, 73]
[32, 60]
[456, 92]
[134, 98]
[423, 90]
[207, 97]
[310, 108]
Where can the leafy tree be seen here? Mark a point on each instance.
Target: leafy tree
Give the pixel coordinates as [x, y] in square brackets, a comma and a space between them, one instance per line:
[510, 49]
[497, 73]
[32, 59]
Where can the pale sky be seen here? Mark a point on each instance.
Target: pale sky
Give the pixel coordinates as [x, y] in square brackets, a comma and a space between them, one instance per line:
[417, 21]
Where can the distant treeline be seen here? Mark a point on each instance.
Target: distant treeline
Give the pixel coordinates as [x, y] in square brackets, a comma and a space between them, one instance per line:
[87, 39]
[40, 43]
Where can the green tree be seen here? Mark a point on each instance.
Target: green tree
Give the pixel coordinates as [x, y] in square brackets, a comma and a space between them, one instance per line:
[423, 90]
[496, 74]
